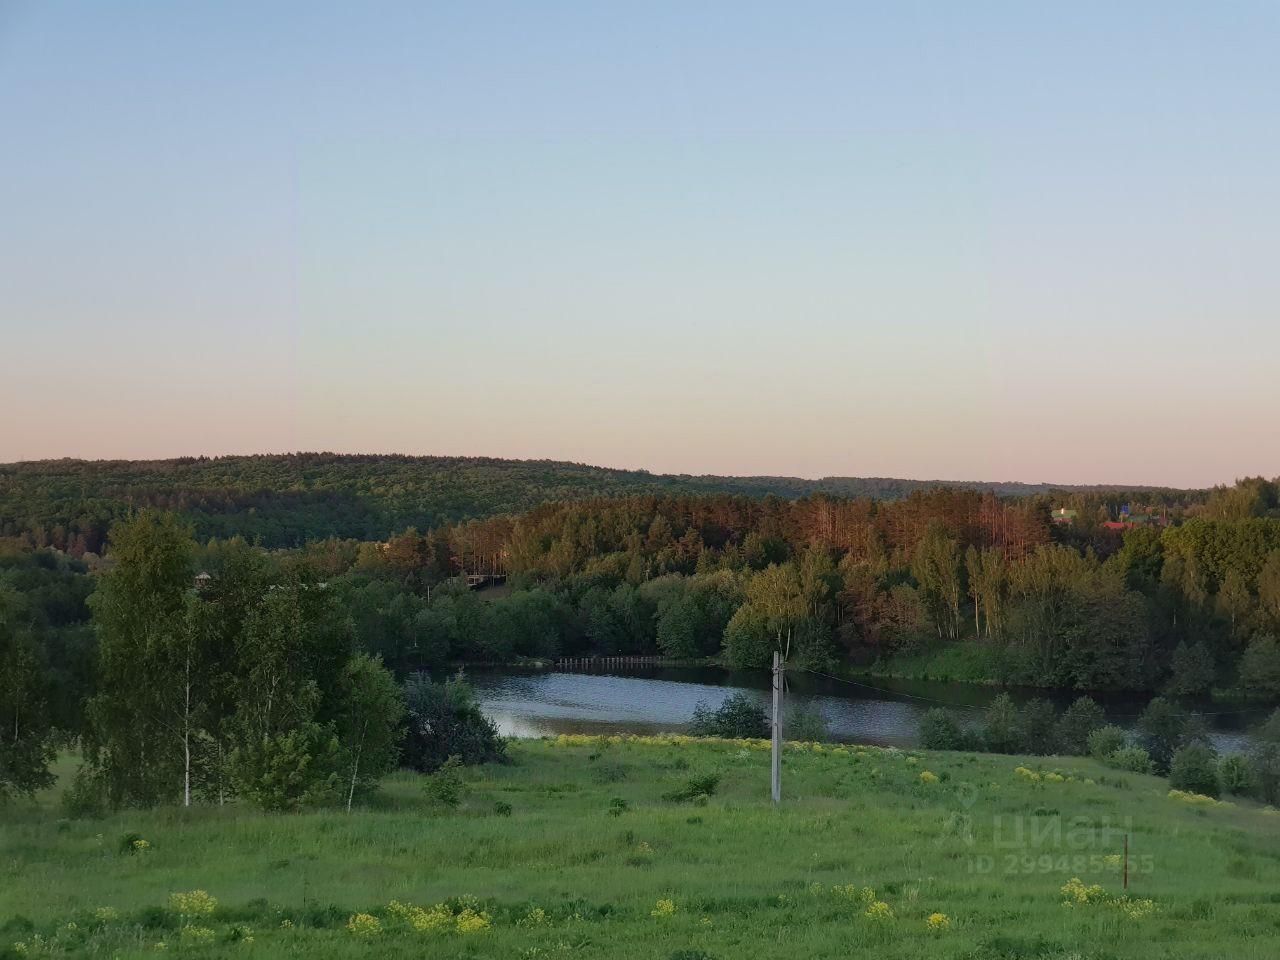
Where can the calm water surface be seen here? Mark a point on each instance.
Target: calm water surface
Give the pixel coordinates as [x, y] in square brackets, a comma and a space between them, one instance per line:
[662, 699]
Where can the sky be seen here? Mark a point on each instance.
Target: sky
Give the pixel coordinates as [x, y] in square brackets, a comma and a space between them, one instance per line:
[991, 241]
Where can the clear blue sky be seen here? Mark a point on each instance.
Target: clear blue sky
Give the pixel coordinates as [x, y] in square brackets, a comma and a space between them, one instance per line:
[951, 240]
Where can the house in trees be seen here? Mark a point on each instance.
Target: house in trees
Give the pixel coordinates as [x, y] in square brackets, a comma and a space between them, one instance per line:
[1064, 516]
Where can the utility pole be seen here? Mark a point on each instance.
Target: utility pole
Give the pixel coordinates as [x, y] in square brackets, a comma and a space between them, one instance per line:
[1126, 861]
[777, 726]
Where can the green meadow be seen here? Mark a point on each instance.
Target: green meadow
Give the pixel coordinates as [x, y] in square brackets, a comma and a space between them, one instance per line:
[666, 849]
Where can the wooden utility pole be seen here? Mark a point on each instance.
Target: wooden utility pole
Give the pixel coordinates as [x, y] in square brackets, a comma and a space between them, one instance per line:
[777, 726]
[1126, 861]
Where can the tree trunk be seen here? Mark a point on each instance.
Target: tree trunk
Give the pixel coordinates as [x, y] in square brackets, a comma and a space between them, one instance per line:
[355, 769]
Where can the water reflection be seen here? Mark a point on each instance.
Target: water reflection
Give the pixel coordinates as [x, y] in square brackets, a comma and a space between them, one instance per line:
[662, 699]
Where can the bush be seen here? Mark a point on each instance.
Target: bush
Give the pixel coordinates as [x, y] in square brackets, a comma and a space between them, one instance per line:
[1192, 670]
[739, 717]
[1001, 730]
[1236, 776]
[1164, 729]
[1132, 759]
[444, 787]
[1264, 759]
[694, 788]
[86, 797]
[940, 731]
[1037, 727]
[1260, 666]
[1105, 741]
[805, 723]
[1077, 724]
[1195, 770]
[445, 721]
[288, 771]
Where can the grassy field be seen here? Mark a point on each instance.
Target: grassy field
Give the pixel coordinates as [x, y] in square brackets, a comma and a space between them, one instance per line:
[578, 848]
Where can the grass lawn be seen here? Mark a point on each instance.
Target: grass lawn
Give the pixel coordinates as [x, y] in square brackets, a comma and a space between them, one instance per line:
[575, 850]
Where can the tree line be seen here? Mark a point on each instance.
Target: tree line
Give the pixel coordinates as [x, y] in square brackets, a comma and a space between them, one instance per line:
[289, 499]
[250, 686]
[267, 650]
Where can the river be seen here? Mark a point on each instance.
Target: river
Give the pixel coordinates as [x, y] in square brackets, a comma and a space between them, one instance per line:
[662, 699]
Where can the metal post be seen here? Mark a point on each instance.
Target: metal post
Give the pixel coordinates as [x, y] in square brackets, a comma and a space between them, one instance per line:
[777, 727]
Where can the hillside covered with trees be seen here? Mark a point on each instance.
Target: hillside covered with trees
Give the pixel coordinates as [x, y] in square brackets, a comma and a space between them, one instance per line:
[247, 649]
[286, 500]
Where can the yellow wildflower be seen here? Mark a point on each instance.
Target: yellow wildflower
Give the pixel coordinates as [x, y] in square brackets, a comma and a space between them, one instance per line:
[193, 903]
[928, 776]
[663, 908]
[1195, 799]
[1136, 909]
[106, 914]
[938, 921]
[197, 935]
[534, 918]
[1075, 892]
[878, 910]
[364, 925]
[471, 921]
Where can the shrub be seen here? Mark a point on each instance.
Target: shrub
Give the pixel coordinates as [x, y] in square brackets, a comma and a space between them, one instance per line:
[1037, 727]
[738, 717]
[501, 808]
[1260, 666]
[1105, 741]
[1164, 728]
[1001, 728]
[1195, 770]
[805, 723]
[1192, 670]
[940, 731]
[1236, 775]
[1132, 759]
[86, 797]
[694, 788]
[1264, 759]
[1077, 724]
[445, 721]
[444, 787]
[289, 770]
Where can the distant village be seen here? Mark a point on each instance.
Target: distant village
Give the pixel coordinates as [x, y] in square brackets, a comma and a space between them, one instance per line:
[1126, 519]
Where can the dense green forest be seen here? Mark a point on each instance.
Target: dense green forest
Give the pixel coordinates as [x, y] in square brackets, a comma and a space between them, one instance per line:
[286, 500]
[258, 659]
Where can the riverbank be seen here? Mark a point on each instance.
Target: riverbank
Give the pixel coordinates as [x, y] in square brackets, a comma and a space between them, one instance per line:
[982, 665]
[641, 848]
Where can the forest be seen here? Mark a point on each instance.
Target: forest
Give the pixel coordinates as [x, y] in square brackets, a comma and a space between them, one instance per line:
[286, 500]
[259, 661]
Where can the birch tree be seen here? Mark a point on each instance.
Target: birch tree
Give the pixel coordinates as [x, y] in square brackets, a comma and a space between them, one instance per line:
[136, 721]
[369, 723]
